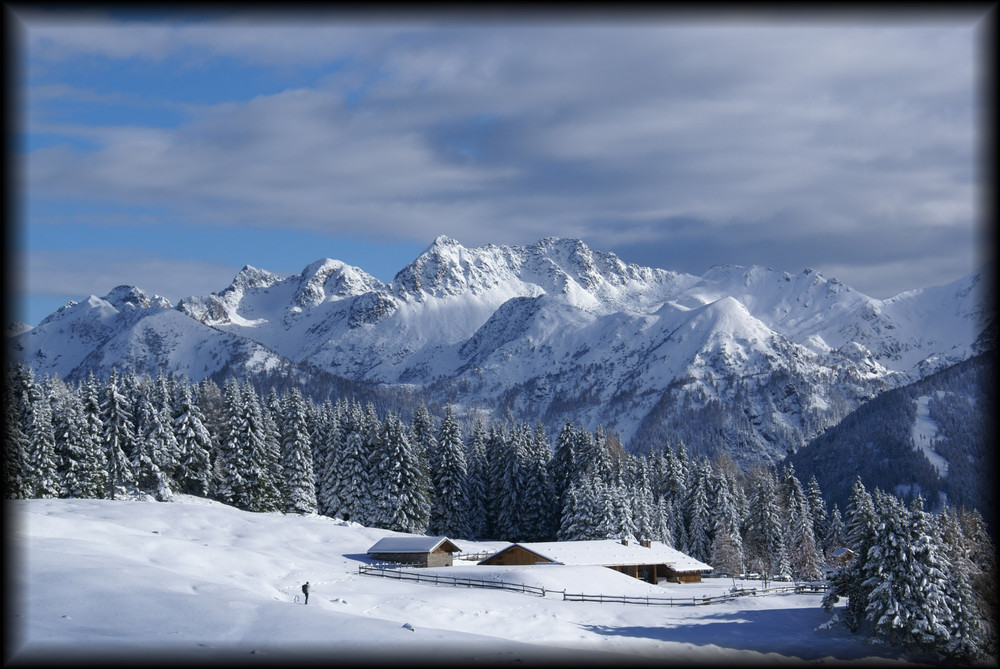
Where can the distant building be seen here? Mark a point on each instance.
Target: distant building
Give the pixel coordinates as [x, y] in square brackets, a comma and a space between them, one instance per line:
[415, 551]
[843, 556]
[650, 561]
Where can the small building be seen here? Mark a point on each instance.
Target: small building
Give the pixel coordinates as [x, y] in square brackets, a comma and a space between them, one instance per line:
[415, 551]
[843, 556]
[650, 561]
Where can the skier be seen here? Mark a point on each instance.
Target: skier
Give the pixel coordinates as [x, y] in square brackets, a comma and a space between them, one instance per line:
[305, 591]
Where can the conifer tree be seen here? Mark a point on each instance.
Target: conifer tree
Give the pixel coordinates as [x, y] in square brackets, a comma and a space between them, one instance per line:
[820, 517]
[563, 466]
[296, 455]
[79, 468]
[15, 461]
[402, 491]
[969, 634]
[354, 488]
[727, 549]
[325, 438]
[537, 495]
[42, 470]
[699, 542]
[571, 528]
[233, 484]
[763, 543]
[194, 444]
[156, 454]
[449, 478]
[835, 537]
[850, 581]
[274, 491]
[119, 436]
[477, 489]
[643, 506]
[906, 600]
[504, 462]
[328, 459]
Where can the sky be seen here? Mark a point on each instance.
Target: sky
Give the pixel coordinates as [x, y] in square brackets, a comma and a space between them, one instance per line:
[198, 581]
[167, 150]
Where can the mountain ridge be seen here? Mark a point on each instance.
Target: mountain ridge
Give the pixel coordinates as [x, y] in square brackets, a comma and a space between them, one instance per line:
[761, 359]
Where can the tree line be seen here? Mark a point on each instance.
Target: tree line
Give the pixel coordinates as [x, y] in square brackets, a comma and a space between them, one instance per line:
[128, 435]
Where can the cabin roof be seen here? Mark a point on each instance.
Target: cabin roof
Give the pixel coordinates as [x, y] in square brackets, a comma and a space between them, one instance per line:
[610, 553]
[414, 544]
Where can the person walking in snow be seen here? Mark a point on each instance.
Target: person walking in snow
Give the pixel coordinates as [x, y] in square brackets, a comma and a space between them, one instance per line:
[305, 591]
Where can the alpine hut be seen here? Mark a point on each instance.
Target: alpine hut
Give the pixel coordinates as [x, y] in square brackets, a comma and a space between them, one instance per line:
[415, 551]
[650, 561]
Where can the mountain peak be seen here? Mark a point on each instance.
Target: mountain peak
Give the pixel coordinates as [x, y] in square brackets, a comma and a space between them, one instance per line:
[129, 296]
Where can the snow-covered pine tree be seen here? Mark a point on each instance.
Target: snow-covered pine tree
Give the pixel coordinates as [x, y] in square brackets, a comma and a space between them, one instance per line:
[209, 398]
[643, 506]
[504, 462]
[817, 509]
[696, 511]
[118, 437]
[762, 537]
[661, 531]
[476, 488]
[563, 466]
[93, 427]
[537, 497]
[599, 507]
[164, 396]
[674, 520]
[570, 527]
[969, 636]
[850, 581]
[355, 489]
[422, 431]
[42, 469]
[726, 554]
[157, 453]
[232, 462]
[622, 524]
[328, 457]
[835, 537]
[449, 479]
[296, 455]
[194, 444]
[275, 490]
[324, 421]
[402, 490]
[77, 467]
[907, 602]
[148, 454]
[15, 461]
[675, 484]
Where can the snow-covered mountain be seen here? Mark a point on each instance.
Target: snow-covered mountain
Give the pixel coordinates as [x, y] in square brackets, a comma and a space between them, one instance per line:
[749, 360]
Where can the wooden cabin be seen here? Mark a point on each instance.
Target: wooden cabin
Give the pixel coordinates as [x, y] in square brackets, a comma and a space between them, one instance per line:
[650, 561]
[415, 551]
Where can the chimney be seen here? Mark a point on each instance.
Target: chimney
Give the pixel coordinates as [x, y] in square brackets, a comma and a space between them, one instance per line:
[645, 543]
[625, 541]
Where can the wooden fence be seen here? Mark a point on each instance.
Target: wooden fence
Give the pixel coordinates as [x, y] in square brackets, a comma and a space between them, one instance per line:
[386, 571]
[390, 570]
[696, 601]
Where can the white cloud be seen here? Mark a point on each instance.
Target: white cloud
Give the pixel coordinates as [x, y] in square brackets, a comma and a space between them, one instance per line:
[511, 131]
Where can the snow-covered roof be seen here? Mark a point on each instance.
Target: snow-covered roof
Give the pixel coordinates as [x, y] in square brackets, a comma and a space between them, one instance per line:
[609, 553]
[413, 545]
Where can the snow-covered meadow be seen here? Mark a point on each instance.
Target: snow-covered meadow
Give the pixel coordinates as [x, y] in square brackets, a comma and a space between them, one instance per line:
[197, 581]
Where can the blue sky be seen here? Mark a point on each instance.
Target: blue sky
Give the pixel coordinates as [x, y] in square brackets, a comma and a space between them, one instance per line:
[168, 150]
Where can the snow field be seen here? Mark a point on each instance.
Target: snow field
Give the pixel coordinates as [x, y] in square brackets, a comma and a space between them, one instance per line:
[199, 580]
